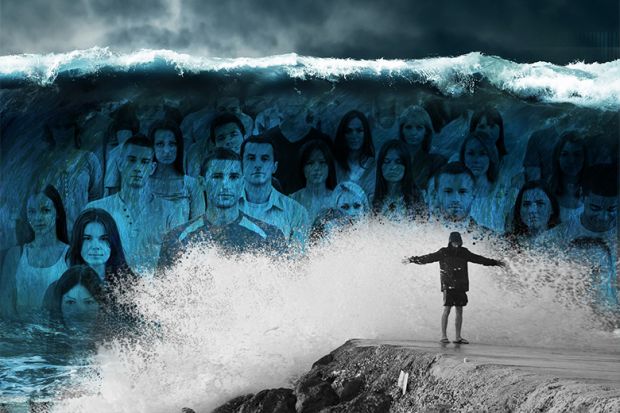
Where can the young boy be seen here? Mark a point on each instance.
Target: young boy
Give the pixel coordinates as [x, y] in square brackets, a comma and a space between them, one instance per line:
[454, 279]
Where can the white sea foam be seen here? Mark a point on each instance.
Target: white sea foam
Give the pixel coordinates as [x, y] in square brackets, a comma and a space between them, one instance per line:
[593, 85]
[232, 326]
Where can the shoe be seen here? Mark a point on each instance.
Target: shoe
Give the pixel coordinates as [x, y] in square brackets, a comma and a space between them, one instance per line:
[461, 341]
[444, 341]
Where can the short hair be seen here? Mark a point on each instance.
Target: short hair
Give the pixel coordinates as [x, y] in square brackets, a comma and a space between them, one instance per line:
[304, 154]
[491, 152]
[221, 154]
[139, 140]
[493, 117]
[601, 179]
[79, 274]
[25, 232]
[351, 188]
[225, 119]
[259, 139]
[453, 168]
[420, 114]
[518, 226]
[172, 126]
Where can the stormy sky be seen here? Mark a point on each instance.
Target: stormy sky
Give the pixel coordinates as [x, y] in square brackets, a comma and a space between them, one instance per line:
[559, 31]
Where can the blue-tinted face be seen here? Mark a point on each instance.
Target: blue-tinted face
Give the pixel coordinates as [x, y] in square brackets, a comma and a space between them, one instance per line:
[413, 132]
[41, 214]
[599, 212]
[351, 204]
[536, 209]
[393, 168]
[491, 130]
[165, 147]
[95, 244]
[136, 165]
[455, 194]
[476, 158]
[224, 183]
[79, 308]
[229, 136]
[258, 163]
[316, 169]
[571, 159]
[354, 134]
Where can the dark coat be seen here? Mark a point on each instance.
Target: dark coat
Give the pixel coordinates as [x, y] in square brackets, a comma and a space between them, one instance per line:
[453, 266]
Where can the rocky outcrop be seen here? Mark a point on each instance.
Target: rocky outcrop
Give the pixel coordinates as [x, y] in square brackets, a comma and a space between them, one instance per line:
[363, 379]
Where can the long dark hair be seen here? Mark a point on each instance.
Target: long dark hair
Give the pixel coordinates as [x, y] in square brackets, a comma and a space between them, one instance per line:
[116, 267]
[557, 176]
[491, 152]
[518, 226]
[24, 231]
[306, 151]
[493, 117]
[408, 187]
[79, 274]
[171, 126]
[340, 143]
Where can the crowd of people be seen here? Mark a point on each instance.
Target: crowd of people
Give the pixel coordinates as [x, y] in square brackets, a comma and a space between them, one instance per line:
[285, 178]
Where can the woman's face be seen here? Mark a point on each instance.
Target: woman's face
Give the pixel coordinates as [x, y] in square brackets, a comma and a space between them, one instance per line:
[571, 159]
[491, 130]
[165, 147]
[316, 169]
[351, 205]
[354, 134]
[393, 168]
[79, 308]
[476, 158]
[41, 214]
[536, 209]
[95, 244]
[413, 132]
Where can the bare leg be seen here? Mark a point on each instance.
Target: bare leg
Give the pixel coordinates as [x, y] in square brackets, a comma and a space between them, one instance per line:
[444, 321]
[458, 322]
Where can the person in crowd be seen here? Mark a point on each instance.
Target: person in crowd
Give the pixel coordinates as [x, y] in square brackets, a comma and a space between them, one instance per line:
[569, 165]
[39, 259]
[318, 171]
[490, 122]
[384, 121]
[141, 217]
[396, 195]
[454, 195]
[540, 147]
[227, 131]
[328, 221]
[96, 242]
[125, 124]
[351, 199]
[416, 130]
[232, 105]
[76, 173]
[260, 200]
[288, 138]
[602, 279]
[77, 299]
[490, 206]
[453, 261]
[355, 152]
[536, 211]
[223, 224]
[183, 195]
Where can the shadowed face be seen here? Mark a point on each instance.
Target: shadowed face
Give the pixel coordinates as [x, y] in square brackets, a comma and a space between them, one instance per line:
[316, 169]
[136, 166]
[165, 147]
[95, 244]
[224, 183]
[258, 163]
[476, 158]
[354, 134]
[491, 130]
[41, 214]
[413, 132]
[536, 210]
[599, 212]
[455, 194]
[229, 136]
[79, 308]
[351, 204]
[393, 168]
[571, 159]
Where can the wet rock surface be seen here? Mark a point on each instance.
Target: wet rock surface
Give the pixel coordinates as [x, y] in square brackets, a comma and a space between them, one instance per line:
[364, 379]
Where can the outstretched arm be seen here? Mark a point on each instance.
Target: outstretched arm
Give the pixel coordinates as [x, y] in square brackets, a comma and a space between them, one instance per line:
[479, 259]
[424, 259]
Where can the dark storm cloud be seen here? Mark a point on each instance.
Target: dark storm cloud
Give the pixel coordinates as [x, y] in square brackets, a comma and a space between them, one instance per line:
[523, 30]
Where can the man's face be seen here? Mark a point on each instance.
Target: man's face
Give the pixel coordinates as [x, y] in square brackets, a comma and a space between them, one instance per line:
[224, 183]
[455, 194]
[599, 212]
[536, 209]
[258, 163]
[137, 165]
[228, 136]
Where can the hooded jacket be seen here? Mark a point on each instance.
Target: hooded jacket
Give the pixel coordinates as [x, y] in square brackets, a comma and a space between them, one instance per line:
[453, 264]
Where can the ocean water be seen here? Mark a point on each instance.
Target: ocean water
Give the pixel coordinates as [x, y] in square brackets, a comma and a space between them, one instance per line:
[221, 326]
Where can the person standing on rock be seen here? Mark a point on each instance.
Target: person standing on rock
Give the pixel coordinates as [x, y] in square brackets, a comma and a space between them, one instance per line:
[453, 261]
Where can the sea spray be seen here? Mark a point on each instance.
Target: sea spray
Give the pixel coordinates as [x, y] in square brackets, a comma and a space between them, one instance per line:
[234, 325]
